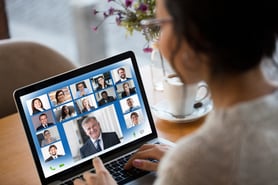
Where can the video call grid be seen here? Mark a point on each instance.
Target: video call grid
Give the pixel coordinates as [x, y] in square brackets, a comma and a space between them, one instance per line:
[93, 92]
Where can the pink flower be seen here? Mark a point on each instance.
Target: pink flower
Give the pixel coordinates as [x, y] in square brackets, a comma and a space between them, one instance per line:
[143, 7]
[95, 11]
[148, 50]
[105, 14]
[128, 3]
[118, 20]
[111, 11]
[95, 28]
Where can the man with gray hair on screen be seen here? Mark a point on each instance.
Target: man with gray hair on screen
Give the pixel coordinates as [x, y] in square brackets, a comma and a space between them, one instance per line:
[98, 140]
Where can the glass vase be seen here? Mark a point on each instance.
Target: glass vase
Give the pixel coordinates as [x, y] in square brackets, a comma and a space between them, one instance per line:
[158, 71]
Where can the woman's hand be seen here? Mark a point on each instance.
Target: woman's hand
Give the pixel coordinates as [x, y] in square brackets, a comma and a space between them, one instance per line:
[141, 159]
[101, 177]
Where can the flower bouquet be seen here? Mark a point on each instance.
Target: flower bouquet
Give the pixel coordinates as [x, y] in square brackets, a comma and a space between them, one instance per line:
[129, 14]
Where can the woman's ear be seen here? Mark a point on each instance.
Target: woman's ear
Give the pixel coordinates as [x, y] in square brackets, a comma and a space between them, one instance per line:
[189, 57]
[192, 66]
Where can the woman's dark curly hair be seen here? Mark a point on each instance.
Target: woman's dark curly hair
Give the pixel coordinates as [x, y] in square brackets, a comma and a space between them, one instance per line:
[234, 34]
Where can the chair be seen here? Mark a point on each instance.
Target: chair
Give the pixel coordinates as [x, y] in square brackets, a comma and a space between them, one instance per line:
[25, 62]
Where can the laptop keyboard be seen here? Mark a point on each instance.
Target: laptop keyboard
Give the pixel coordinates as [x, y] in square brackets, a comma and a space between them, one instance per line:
[116, 169]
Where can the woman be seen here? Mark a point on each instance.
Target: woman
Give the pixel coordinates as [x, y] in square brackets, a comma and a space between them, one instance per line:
[223, 43]
[60, 97]
[101, 83]
[127, 91]
[86, 105]
[37, 105]
[66, 113]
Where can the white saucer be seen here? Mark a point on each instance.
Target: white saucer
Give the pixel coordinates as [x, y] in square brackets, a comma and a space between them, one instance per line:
[160, 111]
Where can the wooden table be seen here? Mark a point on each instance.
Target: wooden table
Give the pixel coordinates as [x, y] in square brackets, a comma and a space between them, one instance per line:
[17, 166]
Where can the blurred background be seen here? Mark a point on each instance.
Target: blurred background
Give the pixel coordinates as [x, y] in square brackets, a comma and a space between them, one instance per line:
[66, 26]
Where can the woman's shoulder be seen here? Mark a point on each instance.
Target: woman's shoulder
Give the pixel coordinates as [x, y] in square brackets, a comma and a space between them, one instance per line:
[253, 112]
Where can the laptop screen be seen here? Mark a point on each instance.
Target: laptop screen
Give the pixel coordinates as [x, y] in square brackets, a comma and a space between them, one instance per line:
[75, 116]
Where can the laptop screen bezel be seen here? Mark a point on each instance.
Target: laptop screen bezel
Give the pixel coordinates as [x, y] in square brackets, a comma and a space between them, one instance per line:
[71, 74]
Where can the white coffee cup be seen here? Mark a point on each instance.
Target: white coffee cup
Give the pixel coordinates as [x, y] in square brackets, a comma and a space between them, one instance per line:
[181, 97]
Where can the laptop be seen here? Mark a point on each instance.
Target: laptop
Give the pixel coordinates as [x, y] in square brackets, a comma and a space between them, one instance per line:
[62, 116]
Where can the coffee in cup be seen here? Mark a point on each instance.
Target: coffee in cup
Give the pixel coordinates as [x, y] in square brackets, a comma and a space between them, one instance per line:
[181, 97]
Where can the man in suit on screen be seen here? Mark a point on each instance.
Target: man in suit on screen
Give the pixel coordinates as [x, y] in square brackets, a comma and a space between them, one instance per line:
[98, 140]
[122, 75]
[105, 98]
[44, 122]
[53, 153]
